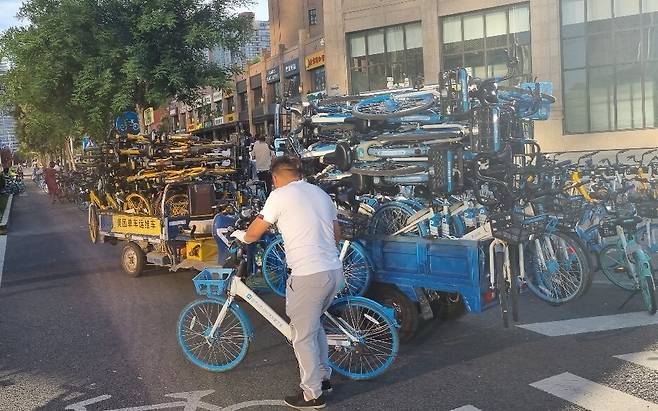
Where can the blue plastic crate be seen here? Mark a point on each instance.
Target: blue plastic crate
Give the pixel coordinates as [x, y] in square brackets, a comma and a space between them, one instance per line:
[213, 281]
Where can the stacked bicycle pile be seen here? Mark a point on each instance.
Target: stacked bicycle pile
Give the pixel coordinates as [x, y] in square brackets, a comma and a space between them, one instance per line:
[130, 173]
[448, 160]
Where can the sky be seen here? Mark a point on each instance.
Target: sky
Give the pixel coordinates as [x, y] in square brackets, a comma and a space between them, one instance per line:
[9, 8]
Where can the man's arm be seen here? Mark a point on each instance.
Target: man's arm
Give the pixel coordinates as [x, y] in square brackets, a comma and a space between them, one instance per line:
[256, 229]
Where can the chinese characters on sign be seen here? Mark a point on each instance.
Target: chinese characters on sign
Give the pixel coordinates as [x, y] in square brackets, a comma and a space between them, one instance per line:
[135, 225]
[314, 60]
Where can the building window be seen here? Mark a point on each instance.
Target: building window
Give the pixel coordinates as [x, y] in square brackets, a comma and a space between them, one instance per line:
[292, 86]
[312, 17]
[385, 57]
[244, 105]
[230, 105]
[258, 96]
[274, 91]
[477, 41]
[318, 82]
[609, 65]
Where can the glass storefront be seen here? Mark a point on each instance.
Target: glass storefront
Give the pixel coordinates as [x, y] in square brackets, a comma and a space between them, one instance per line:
[609, 64]
[318, 81]
[477, 41]
[384, 57]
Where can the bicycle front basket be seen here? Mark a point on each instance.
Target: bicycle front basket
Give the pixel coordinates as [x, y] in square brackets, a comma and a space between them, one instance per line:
[213, 281]
[514, 232]
[352, 225]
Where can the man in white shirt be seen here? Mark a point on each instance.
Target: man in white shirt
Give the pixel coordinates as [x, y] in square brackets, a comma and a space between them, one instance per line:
[306, 217]
[262, 155]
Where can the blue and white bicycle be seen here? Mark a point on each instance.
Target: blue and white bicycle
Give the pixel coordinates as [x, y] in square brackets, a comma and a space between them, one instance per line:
[214, 331]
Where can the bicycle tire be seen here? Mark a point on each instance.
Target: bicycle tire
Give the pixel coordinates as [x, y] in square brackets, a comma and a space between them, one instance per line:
[502, 286]
[358, 110]
[377, 333]
[234, 344]
[612, 261]
[357, 269]
[275, 269]
[551, 284]
[648, 290]
[92, 221]
[395, 213]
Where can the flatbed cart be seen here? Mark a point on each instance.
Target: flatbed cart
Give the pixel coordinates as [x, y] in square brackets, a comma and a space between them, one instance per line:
[426, 278]
[180, 242]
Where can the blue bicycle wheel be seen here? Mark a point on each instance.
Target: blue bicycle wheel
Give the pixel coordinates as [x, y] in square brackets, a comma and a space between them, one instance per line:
[561, 277]
[376, 344]
[356, 268]
[227, 348]
[275, 269]
[393, 216]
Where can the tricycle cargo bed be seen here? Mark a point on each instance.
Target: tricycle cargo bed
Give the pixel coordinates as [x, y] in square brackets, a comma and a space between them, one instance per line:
[455, 266]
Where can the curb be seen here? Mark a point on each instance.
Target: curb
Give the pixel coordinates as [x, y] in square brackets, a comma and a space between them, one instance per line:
[5, 215]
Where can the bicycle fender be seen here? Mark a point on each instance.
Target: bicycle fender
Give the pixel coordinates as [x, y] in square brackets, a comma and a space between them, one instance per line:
[249, 327]
[389, 312]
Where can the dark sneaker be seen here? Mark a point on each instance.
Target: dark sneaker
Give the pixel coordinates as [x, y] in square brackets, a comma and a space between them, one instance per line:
[298, 401]
[327, 387]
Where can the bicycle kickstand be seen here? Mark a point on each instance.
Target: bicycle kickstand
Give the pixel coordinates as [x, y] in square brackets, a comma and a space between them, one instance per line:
[630, 297]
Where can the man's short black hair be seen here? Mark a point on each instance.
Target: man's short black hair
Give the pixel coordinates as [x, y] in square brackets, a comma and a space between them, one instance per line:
[289, 163]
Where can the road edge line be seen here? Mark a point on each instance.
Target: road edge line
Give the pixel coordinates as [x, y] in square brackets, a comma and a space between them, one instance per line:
[3, 249]
[7, 211]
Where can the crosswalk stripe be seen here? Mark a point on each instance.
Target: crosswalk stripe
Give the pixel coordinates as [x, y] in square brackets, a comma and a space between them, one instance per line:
[648, 359]
[590, 395]
[591, 324]
[468, 407]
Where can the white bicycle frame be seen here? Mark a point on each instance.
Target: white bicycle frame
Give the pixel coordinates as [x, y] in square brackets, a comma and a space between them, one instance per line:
[238, 288]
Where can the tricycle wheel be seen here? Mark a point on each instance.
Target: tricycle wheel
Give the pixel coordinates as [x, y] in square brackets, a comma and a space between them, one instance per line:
[132, 260]
[92, 221]
[406, 310]
[449, 307]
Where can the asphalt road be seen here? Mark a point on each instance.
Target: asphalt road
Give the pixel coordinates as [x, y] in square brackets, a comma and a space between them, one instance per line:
[75, 333]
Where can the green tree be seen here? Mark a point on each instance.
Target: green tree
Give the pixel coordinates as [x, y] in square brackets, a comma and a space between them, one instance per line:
[78, 63]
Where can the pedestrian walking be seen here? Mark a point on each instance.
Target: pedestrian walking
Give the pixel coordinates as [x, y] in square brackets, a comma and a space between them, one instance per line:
[306, 217]
[50, 175]
[262, 155]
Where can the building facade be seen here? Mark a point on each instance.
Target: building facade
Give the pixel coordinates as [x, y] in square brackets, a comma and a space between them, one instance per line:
[294, 66]
[601, 57]
[7, 121]
[250, 51]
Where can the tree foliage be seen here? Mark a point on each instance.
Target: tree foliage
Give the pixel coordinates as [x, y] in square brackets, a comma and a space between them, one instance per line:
[78, 63]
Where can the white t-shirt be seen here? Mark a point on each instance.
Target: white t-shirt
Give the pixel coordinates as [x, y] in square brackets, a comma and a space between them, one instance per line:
[263, 155]
[305, 215]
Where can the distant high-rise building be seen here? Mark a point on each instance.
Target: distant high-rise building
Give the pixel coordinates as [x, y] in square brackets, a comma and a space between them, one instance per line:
[252, 49]
[7, 121]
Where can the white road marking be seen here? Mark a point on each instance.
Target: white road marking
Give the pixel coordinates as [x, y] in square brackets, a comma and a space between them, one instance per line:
[648, 359]
[187, 400]
[3, 249]
[82, 405]
[590, 395]
[592, 324]
[468, 407]
[256, 403]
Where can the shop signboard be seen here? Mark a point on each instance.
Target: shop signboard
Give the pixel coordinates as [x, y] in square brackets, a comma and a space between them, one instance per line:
[314, 60]
[148, 116]
[272, 75]
[291, 67]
